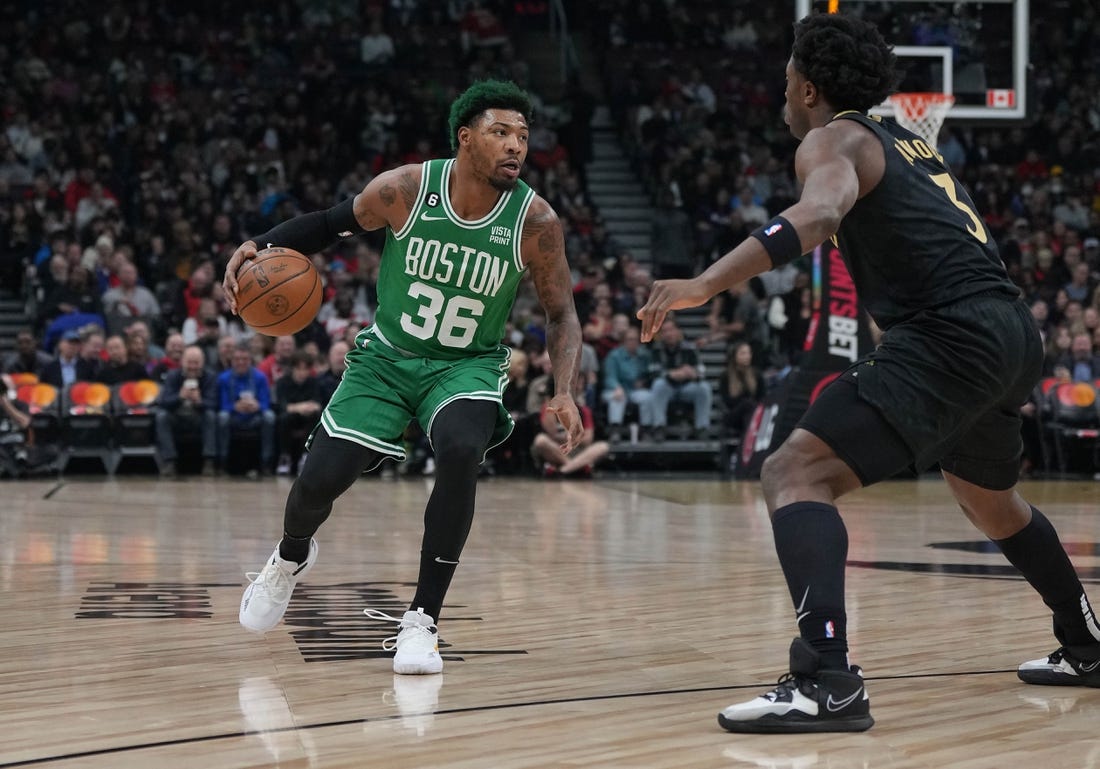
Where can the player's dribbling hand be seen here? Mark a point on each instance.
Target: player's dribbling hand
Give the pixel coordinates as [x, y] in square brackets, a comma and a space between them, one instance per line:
[665, 296]
[245, 251]
[565, 409]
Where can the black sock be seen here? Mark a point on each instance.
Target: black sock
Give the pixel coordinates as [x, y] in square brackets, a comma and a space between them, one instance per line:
[294, 548]
[812, 545]
[431, 587]
[1036, 551]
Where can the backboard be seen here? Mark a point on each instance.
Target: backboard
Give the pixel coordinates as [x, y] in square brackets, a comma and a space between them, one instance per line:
[976, 50]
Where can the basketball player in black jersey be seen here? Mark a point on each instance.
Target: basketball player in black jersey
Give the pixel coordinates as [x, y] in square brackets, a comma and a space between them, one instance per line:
[959, 356]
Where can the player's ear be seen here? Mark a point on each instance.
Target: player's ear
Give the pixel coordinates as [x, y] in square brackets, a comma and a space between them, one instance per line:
[465, 133]
[810, 95]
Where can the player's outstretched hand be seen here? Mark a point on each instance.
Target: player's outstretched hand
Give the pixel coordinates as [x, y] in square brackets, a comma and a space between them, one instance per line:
[665, 296]
[246, 250]
[564, 408]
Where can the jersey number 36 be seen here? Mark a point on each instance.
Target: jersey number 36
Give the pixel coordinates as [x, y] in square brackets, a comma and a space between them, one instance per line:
[453, 323]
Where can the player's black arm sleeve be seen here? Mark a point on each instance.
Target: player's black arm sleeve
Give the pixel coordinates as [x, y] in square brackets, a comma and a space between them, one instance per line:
[313, 232]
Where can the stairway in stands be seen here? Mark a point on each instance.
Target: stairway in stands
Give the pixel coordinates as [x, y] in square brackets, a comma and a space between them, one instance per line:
[13, 316]
[626, 209]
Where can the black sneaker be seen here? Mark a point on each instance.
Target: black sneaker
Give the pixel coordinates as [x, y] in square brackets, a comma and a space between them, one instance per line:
[1061, 668]
[808, 699]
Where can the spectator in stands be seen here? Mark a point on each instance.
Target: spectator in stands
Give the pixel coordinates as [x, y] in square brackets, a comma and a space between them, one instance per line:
[1040, 310]
[1082, 362]
[26, 358]
[1079, 288]
[540, 374]
[209, 341]
[15, 425]
[92, 341]
[118, 367]
[223, 354]
[1057, 348]
[141, 328]
[581, 461]
[735, 316]
[677, 376]
[75, 295]
[187, 405]
[172, 359]
[741, 388]
[206, 314]
[339, 313]
[137, 350]
[626, 380]
[329, 380]
[589, 375]
[68, 366]
[752, 213]
[277, 364]
[598, 329]
[129, 300]
[298, 404]
[376, 49]
[584, 293]
[508, 457]
[244, 404]
[789, 317]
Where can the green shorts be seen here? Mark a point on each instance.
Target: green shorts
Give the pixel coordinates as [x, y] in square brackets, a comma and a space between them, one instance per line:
[383, 389]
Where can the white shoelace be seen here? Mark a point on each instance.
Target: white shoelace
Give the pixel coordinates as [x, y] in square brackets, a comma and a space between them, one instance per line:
[274, 580]
[421, 631]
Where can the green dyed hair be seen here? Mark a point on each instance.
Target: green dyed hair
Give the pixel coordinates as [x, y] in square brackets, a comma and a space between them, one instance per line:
[483, 95]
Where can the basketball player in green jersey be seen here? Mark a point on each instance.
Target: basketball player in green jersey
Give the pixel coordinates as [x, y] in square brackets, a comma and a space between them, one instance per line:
[459, 234]
[960, 354]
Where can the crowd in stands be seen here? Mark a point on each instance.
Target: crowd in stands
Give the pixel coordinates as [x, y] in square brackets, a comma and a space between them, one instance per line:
[144, 141]
[697, 89]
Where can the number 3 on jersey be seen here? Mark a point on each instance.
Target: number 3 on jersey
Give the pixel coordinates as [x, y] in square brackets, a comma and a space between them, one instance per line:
[947, 184]
[457, 326]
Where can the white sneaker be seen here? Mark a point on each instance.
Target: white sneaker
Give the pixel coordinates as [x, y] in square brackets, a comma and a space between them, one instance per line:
[416, 643]
[416, 698]
[268, 594]
[283, 468]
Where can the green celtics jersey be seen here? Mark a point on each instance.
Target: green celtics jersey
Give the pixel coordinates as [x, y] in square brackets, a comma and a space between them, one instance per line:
[446, 285]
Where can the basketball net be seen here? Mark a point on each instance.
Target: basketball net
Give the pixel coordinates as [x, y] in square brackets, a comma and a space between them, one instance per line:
[922, 113]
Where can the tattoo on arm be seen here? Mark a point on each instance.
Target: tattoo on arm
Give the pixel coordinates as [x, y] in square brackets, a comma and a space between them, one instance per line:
[544, 253]
[381, 205]
[410, 188]
[388, 195]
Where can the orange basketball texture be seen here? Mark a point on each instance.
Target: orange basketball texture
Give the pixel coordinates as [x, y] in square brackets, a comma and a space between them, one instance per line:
[279, 292]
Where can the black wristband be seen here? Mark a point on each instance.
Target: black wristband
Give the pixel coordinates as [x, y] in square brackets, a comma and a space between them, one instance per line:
[313, 232]
[779, 240]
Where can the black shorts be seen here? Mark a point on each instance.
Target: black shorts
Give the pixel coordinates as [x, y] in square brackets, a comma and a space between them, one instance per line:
[945, 386]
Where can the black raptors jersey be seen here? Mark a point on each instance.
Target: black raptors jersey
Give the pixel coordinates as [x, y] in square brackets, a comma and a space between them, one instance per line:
[916, 241]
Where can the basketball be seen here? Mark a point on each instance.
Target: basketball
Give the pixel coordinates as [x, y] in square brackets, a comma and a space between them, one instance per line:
[278, 292]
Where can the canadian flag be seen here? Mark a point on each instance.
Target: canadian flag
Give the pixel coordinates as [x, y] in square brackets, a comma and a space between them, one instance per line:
[1000, 98]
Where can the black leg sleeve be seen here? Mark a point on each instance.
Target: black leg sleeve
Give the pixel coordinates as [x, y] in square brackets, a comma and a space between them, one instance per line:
[460, 433]
[332, 467]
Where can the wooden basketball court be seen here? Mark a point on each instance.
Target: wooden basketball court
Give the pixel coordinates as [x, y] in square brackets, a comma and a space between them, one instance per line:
[591, 624]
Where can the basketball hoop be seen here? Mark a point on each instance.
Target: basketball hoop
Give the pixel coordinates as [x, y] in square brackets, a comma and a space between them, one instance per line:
[922, 113]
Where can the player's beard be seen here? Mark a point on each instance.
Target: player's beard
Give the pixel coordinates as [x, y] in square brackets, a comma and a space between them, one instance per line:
[503, 185]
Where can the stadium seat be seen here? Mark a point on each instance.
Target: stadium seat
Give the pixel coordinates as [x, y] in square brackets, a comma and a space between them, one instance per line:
[134, 418]
[1072, 416]
[86, 424]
